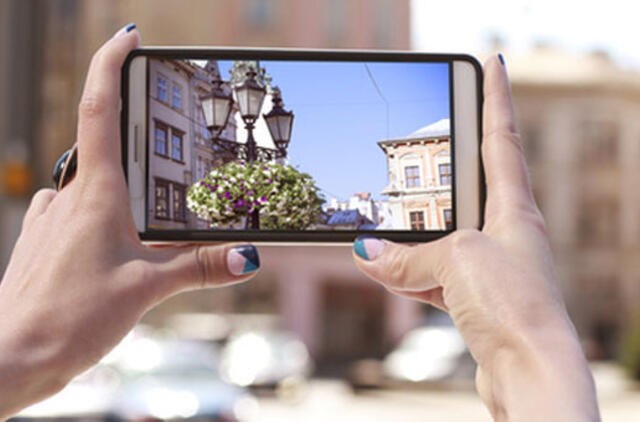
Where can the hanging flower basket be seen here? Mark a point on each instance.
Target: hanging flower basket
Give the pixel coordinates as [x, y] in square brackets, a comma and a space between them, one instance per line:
[286, 199]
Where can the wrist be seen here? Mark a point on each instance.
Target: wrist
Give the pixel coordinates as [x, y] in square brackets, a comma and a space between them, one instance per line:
[25, 375]
[542, 372]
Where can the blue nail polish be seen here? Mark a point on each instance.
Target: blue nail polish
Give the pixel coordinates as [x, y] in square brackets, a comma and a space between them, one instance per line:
[501, 58]
[243, 259]
[368, 247]
[130, 27]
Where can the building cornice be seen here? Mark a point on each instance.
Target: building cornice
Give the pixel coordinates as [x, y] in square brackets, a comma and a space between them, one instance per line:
[397, 142]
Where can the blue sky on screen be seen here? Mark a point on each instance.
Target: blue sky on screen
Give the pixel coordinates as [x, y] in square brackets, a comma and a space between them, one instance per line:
[339, 116]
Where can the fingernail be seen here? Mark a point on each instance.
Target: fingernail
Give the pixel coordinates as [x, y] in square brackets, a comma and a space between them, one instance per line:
[243, 259]
[501, 57]
[124, 30]
[368, 247]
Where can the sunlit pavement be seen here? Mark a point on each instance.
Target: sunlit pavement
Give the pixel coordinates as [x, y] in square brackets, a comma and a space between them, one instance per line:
[333, 400]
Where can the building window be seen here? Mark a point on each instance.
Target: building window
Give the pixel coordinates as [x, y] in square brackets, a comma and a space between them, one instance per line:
[162, 199]
[161, 92]
[176, 97]
[599, 142]
[200, 168]
[417, 220]
[598, 222]
[202, 123]
[412, 176]
[445, 174]
[448, 219]
[161, 138]
[179, 209]
[176, 145]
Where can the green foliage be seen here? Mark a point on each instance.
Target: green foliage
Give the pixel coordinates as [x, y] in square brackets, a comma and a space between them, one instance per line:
[285, 198]
[630, 352]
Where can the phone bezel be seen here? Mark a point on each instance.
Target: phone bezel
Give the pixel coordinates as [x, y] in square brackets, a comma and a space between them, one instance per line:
[316, 236]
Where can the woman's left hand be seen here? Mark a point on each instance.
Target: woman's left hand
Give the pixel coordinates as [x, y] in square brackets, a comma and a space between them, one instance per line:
[79, 278]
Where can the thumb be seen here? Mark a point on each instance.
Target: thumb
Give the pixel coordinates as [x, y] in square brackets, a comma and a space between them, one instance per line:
[177, 269]
[402, 268]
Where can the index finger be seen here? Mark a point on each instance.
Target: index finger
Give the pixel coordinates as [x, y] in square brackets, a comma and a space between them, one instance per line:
[507, 177]
[99, 109]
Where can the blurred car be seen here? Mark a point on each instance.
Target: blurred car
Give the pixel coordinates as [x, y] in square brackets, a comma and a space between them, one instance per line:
[89, 397]
[172, 380]
[265, 358]
[431, 354]
[148, 379]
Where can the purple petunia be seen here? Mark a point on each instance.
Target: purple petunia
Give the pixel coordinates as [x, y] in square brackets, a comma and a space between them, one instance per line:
[263, 199]
[227, 195]
[240, 203]
[269, 181]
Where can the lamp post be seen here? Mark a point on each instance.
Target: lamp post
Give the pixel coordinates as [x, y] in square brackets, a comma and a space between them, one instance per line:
[249, 96]
[216, 107]
[279, 121]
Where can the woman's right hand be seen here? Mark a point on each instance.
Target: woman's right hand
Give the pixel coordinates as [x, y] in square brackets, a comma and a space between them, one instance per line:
[499, 284]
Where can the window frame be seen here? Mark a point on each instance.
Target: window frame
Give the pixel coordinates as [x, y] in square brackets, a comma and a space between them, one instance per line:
[177, 188]
[167, 187]
[166, 88]
[413, 177]
[448, 176]
[179, 134]
[175, 85]
[446, 211]
[157, 124]
[418, 221]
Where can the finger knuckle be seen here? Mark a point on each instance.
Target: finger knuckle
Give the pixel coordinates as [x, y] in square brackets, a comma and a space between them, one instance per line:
[463, 240]
[204, 264]
[502, 136]
[92, 105]
[396, 273]
[523, 213]
[42, 195]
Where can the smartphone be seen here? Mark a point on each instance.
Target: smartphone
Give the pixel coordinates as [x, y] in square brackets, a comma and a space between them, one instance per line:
[303, 146]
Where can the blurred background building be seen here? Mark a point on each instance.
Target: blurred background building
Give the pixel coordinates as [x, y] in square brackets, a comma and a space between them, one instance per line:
[578, 113]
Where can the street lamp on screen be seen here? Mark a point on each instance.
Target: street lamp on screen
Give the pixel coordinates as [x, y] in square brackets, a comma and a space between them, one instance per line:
[250, 95]
[279, 121]
[216, 107]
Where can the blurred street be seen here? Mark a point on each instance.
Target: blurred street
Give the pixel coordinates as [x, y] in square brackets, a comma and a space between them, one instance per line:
[333, 399]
